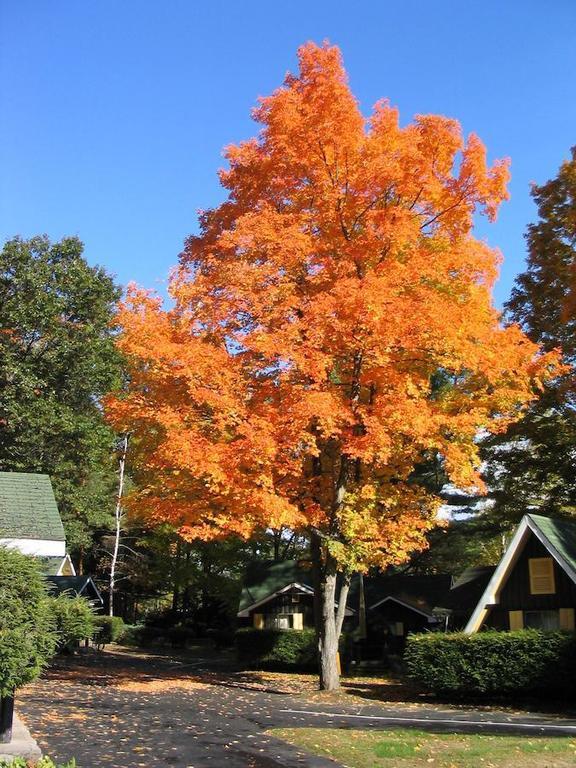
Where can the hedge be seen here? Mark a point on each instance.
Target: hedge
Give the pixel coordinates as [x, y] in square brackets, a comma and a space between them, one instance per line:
[524, 661]
[73, 619]
[278, 648]
[107, 629]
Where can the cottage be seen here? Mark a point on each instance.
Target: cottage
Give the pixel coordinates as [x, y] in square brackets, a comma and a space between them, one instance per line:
[30, 521]
[400, 604]
[76, 586]
[534, 584]
[457, 604]
[280, 595]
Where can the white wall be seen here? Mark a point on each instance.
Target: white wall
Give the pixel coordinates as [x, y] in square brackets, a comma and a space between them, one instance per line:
[36, 547]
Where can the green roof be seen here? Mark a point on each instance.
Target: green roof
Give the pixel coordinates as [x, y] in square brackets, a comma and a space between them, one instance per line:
[561, 534]
[28, 508]
[265, 578]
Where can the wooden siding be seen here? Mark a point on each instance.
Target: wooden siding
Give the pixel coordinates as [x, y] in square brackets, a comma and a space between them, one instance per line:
[516, 596]
[390, 613]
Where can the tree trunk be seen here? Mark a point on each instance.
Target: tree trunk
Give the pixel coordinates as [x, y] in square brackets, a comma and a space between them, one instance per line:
[327, 633]
[328, 621]
[118, 515]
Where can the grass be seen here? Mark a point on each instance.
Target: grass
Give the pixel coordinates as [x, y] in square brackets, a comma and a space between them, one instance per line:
[406, 748]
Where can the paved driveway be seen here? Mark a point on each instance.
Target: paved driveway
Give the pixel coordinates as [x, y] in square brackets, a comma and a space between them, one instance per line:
[127, 711]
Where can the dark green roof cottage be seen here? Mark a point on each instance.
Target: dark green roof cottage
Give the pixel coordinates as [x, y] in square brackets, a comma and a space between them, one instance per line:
[30, 521]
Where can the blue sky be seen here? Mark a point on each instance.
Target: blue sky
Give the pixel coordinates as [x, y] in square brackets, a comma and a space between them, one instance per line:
[114, 113]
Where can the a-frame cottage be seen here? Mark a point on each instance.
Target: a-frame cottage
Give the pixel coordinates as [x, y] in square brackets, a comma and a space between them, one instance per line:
[534, 585]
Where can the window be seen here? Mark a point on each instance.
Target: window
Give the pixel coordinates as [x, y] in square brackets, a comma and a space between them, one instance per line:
[541, 576]
[541, 620]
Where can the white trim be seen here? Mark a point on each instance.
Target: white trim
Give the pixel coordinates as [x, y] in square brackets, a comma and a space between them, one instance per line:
[429, 616]
[245, 613]
[491, 594]
[36, 547]
[66, 560]
[303, 587]
[540, 727]
[552, 549]
[90, 580]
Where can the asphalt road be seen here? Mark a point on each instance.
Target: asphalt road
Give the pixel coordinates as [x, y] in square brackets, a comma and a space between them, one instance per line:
[126, 713]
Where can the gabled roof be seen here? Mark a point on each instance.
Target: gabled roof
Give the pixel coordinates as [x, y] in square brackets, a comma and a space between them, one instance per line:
[264, 580]
[53, 566]
[559, 538]
[467, 589]
[28, 508]
[419, 592]
[267, 578]
[81, 586]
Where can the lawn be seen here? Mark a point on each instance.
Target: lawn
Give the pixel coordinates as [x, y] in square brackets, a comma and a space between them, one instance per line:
[411, 749]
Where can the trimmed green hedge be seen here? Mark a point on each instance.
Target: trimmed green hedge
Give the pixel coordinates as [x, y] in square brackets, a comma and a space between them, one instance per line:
[107, 629]
[525, 661]
[277, 648]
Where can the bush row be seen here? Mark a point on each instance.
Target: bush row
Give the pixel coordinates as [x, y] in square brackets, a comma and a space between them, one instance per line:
[277, 648]
[107, 629]
[525, 661]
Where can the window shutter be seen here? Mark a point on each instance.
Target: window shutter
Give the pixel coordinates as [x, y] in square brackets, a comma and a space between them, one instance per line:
[297, 621]
[541, 575]
[258, 620]
[567, 619]
[399, 629]
[516, 619]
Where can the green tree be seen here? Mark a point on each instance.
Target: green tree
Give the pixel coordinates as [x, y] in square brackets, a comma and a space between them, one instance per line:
[27, 636]
[57, 359]
[538, 299]
[532, 467]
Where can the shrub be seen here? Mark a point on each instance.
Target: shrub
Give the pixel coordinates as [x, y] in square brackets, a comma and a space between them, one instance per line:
[107, 629]
[131, 634]
[74, 620]
[27, 637]
[278, 648]
[493, 662]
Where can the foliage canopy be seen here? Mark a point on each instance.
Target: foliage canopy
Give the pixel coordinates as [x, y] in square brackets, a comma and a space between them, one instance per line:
[57, 359]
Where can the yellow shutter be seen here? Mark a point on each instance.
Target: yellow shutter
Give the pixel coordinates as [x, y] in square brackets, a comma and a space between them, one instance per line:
[567, 619]
[399, 629]
[516, 619]
[541, 575]
[258, 620]
[297, 621]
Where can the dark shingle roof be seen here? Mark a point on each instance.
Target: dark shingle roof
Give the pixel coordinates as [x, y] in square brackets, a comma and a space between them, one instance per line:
[28, 508]
[265, 578]
[422, 592]
[561, 534]
[74, 585]
[467, 589]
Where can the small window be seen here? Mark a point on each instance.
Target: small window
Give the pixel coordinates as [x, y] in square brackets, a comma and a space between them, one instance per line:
[541, 576]
[542, 620]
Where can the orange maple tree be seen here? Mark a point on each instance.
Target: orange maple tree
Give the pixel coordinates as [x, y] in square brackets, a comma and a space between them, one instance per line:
[294, 381]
